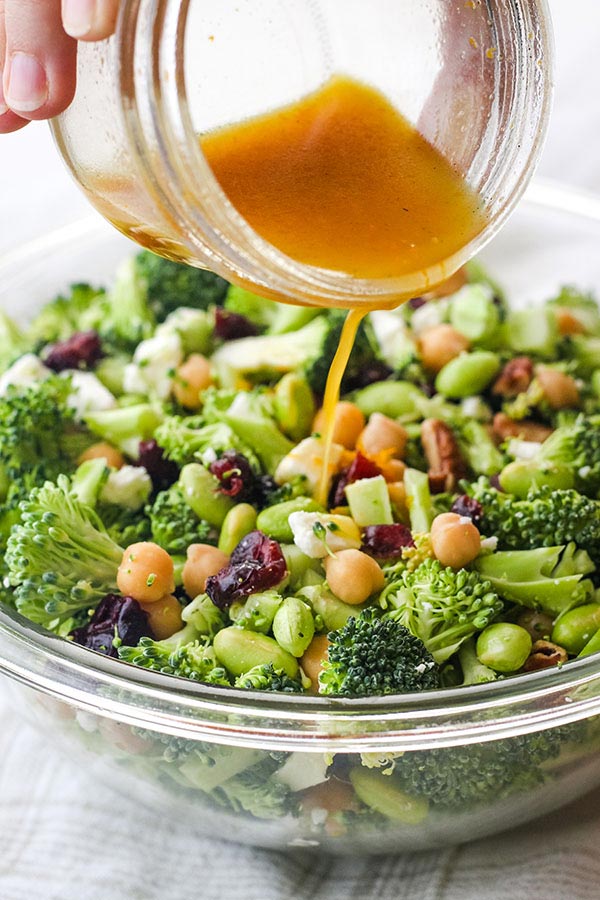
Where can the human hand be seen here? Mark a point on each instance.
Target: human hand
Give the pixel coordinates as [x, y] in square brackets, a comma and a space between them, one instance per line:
[38, 45]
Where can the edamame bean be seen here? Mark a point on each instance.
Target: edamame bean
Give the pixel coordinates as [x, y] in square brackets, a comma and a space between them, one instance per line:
[201, 492]
[239, 650]
[467, 374]
[294, 406]
[334, 613]
[293, 626]
[392, 398]
[381, 793]
[298, 564]
[257, 612]
[520, 476]
[239, 521]
[503, 647]
[575, 628]
[274, 520]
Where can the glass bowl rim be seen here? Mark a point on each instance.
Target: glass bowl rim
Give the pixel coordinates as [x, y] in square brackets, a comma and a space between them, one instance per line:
[445, 717]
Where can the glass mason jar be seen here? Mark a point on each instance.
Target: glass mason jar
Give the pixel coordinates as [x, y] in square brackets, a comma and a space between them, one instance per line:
[473, 77]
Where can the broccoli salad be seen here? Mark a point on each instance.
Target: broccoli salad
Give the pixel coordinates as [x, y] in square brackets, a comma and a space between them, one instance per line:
[161, 451]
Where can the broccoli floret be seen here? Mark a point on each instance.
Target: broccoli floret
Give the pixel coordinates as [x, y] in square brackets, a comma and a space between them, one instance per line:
[80, 310]
[126, 426]
[440, 606]
[472, 775]
[172, 284]
[309, 350]
[185, 654]
[577, 446]
[547, 578]
[126, 317]
[60, 558]
[185, 439]
[267, 678]
[39, 438]
[545, 518]
[174, 524]
[125, 526]
[372, 655]
[255, 791]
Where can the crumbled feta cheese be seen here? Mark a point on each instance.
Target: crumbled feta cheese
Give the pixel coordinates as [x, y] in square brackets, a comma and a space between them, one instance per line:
[519, 449]
[489, 543]
[475, 408]
[88, 394]
[303, 770]
[306, 460]
[153, 367]
[27, 370]
[465, 520]
[318, 534]
[428, 315]
[319, 816]
[129, 486]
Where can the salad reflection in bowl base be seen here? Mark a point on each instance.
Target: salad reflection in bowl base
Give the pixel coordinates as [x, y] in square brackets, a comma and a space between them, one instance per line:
[377, 774]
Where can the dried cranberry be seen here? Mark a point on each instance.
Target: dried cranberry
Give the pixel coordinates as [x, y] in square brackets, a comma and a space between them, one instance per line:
[257, 547]
[81, 351]
[416, 302]
[386, 541]
[236, 478]
[469, 507]
[495, 482]
[256, 564]
[360, 467]
[229, 325]
[115, 617]
[162, 471]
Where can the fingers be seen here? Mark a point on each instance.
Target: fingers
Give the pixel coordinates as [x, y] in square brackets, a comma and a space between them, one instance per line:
[9, 121]
[89, 20]
[39, 65]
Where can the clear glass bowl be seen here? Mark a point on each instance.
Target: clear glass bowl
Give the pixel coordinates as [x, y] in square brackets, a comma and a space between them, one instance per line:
[244, 765]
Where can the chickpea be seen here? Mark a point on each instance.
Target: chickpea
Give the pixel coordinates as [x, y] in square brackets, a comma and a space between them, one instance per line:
[164, 616]
[560, 390]
[332, 795]
[192, 377]
[203, 560]
[348, 424]
[313, 658]
[567, 322]
[102, 450]
[382, 434]
[146, 572]
[353, 576]
[455, 540]
[439, 344]
[393, 470]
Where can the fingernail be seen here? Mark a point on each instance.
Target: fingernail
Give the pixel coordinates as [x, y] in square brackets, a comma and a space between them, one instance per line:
[27, 87]
[78, 17]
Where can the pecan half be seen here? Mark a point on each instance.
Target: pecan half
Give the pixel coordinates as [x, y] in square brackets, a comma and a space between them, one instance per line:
[544, 655]
[515, 377]
[446, 465]
[526, 429]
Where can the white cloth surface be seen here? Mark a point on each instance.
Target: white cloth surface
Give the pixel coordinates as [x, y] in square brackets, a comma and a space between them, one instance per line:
[64, 837]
